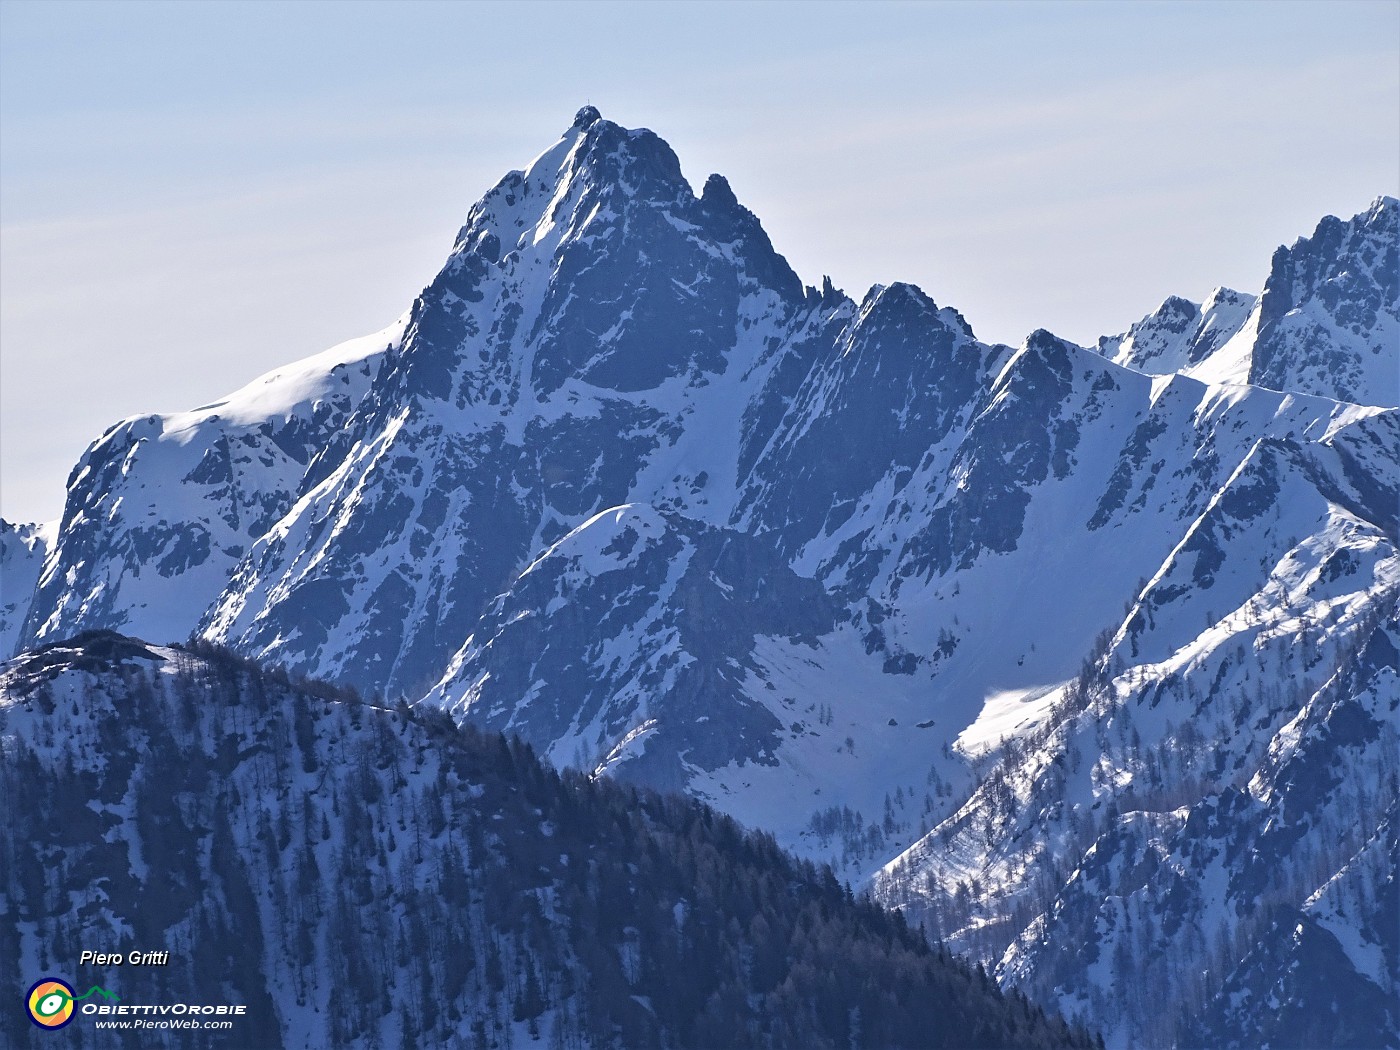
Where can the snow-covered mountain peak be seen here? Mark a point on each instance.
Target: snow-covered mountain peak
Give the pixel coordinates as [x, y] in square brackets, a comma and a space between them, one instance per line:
[1327, 323]
[1329, 319]
[586, 117]
[1179, 334]
[595, 163]
[902, 303]
[1043, 355]
[1222, 296]
[621, 485]
[619, 275]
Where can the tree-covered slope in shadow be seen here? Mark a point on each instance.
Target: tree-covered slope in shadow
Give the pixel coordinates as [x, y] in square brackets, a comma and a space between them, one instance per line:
[364, 876]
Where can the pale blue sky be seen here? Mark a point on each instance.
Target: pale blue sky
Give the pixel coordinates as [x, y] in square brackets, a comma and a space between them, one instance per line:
[192, 193]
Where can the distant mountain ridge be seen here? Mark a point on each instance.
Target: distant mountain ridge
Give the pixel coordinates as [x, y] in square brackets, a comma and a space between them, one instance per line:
[619, 483]
[1328, 321]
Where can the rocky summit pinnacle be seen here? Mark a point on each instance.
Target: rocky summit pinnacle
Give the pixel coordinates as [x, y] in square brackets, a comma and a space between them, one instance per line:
[587, 117]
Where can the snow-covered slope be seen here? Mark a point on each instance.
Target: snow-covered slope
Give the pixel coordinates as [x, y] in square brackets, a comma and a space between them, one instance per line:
[1180, 334]
[1230, 750]
[161, 508]
[619, 483]
[22, 552]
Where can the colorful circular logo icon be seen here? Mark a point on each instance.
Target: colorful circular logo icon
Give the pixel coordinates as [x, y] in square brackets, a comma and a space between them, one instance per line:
[50, 1003]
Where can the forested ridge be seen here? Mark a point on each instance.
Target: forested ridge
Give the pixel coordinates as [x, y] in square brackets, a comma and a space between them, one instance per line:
[360, 875]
